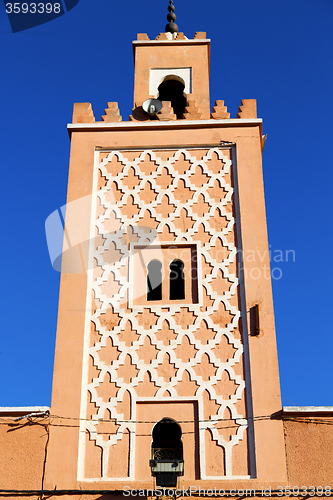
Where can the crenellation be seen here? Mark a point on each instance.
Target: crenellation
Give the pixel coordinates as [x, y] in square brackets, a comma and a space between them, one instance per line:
[83, 113]
[112, 113]
[191, 111]
[142, 36]
[162, 36]
[247, 109]
[166, 113]
[200, 35]
[220, 111]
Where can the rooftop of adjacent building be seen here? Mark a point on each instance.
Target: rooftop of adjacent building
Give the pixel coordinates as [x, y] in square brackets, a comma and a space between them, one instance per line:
[302, 411]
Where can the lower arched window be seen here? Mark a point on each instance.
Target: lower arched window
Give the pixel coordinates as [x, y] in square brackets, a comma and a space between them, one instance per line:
[167, 443]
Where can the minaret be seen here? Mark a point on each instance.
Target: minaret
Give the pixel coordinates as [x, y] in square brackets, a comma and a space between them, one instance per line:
[166, 367]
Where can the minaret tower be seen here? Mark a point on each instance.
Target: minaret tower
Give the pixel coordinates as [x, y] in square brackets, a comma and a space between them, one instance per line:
[166, 366]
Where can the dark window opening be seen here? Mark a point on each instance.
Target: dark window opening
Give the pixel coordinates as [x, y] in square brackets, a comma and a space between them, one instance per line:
[167, 443]
[173, 90]
[177, 280]
[154, 280]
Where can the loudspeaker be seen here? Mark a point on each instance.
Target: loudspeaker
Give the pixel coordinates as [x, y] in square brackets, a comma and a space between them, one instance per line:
[152, 106]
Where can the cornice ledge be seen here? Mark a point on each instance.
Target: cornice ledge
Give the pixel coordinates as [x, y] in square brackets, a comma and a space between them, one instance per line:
[198, 41]
[76, 127]
[306, 410]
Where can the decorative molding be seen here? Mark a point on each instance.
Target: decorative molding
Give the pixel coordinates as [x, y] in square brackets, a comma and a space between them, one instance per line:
[187, 181]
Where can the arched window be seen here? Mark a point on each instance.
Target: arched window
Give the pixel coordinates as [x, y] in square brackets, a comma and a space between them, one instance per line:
[167, 443]
[154, 280]
[171, 89]
[176, 280]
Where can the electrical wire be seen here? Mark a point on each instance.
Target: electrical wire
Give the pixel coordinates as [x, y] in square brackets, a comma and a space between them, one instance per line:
[203, 493]
[39, 419]
[313, 420]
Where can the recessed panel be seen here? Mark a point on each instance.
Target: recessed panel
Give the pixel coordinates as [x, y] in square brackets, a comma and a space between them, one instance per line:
[157, 76]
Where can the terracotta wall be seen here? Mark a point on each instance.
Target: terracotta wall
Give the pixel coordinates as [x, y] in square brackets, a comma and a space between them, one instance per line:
[309, 445]
[22, 454]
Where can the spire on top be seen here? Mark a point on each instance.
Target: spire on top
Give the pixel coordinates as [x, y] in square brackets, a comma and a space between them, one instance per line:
[171, 27]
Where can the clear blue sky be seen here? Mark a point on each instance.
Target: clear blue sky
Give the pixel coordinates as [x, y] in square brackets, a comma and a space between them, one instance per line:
[279, 52]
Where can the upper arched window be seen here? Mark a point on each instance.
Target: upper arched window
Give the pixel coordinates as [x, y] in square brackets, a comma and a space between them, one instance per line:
[154, 280]
[176, 280]
[164, 274]
[172, 89]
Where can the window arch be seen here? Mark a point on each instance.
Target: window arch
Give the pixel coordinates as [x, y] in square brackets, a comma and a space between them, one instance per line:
[176, 280]
[172, 89]
[167, 443]
[154, 280]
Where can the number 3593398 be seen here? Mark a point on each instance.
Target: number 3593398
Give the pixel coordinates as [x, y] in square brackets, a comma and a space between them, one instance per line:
[33, 8]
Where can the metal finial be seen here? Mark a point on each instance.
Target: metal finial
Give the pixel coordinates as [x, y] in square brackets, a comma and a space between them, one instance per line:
[171, 27]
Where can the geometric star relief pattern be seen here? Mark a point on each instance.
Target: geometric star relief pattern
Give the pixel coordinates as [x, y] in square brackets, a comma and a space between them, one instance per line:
[164, 351]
